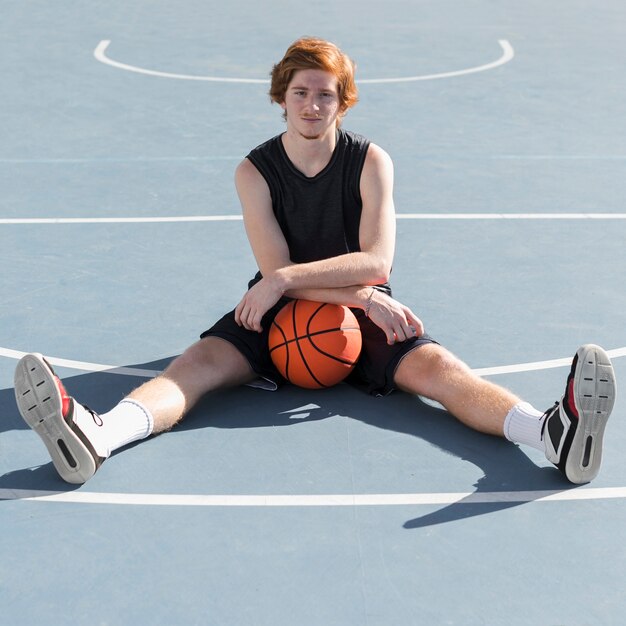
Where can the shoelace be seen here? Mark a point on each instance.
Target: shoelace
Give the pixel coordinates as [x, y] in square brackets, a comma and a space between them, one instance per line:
[94, 416]
[544, 417]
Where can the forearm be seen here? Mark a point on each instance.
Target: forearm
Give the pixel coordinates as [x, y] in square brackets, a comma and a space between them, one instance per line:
[354, 296]
[396, 320]
[346, 270]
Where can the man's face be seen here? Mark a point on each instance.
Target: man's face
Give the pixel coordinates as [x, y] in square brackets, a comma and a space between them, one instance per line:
[312, 103]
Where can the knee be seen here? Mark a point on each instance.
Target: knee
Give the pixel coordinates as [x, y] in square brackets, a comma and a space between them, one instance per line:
[193, 357]
[208, 364]
[199, 357]
[446, 365]
[428, 367]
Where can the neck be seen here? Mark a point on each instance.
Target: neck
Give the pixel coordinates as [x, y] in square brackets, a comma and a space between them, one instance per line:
[309, 154]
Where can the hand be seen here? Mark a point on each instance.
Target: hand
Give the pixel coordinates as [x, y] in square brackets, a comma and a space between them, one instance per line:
[397, 321]
[256, 302]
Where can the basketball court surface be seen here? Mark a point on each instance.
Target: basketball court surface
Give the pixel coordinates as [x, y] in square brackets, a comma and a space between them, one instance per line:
[121, 241]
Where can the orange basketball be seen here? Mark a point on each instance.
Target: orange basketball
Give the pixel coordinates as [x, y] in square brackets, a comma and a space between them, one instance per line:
[313, 344]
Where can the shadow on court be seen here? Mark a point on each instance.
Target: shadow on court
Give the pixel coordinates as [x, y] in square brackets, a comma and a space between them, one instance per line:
[98, 390]
[505, 467]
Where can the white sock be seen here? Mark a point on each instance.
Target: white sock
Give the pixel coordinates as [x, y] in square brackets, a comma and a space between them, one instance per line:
[523, 425]
[127, 422]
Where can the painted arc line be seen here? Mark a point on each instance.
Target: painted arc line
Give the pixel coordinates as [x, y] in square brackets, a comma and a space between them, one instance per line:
[507, 55]
[100, 55]
[538, 365]
[131, 371]
[234, 218]
[331, 500]
[84, 366]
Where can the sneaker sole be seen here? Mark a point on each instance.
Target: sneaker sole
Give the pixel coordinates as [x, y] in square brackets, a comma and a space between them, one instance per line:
[594, 396]
[40, 405]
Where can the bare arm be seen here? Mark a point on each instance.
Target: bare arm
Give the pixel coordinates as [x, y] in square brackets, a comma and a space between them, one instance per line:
[395, 319]
[370, 266]
[339, 279]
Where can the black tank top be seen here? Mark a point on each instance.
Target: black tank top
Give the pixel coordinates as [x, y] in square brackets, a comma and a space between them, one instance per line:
[319, 216]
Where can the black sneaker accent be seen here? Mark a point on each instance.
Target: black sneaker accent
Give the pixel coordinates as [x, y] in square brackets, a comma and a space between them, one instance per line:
[573, 428]
[40, 403]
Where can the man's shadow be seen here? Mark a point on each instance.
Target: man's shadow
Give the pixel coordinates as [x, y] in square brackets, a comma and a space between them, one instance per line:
[505, 467]
[99, 390]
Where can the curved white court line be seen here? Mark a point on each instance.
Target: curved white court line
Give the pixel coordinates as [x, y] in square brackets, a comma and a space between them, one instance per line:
[100, 55]
[234, 218]
[131, 371]
[387, 499]
[507, 55]
[85, 366]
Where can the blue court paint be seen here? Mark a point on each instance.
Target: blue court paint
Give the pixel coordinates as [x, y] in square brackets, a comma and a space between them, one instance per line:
[509, 190]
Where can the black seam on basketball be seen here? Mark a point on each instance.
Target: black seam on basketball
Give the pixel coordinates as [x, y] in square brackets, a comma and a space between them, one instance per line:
[308, 336]
[327, 354]
[330, 330]
[297, 340]
[312, 316]
[284, 343]
[315, 334]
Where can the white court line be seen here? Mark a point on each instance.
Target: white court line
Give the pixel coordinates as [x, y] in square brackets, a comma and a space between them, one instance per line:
[101, 160]
[85, 366]
[415, 157]
[511, 216]
[100, 50]
[507, 55]
[308, 500]
[121, 220]
[131, 371]
[538, 365]
[332, 500]
[234, 218]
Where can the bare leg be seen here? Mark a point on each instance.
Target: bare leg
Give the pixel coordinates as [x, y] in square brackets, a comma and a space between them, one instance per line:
[209, 364]
[433, 372]
[79, 440]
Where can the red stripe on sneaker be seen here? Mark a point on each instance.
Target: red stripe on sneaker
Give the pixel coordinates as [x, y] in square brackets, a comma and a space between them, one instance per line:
[571, 403]
[66, 400]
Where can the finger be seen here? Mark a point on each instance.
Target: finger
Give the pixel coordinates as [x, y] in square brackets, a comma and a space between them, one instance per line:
[242, 313]
[391, 336]
[419, 328]
[402, 329]
[255, 322]
[238, 311]
[249, 320]
[415, 323]
[407, 332]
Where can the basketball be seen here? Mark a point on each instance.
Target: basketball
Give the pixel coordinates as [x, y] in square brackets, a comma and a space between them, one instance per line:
[314, 344]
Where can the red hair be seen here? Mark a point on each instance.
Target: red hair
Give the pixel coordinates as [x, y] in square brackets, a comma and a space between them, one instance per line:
[309, 53]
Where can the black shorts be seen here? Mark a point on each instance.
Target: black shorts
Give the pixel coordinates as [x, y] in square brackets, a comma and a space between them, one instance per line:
[373, 373]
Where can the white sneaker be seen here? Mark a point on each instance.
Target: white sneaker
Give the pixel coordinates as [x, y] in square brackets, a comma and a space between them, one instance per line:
[50, 412]
[574, 427]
